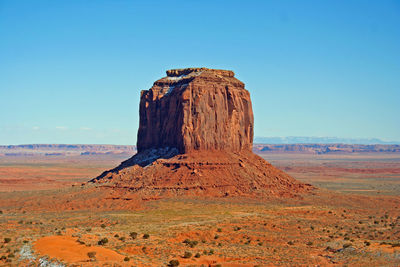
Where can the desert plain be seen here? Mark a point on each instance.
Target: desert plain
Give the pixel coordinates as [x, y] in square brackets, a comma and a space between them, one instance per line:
[352, 218]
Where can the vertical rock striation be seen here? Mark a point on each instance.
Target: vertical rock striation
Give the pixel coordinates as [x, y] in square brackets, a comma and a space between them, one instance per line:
[196, 109]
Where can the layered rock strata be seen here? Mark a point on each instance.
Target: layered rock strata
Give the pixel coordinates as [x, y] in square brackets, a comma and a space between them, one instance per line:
[195, 138]
[196, 109]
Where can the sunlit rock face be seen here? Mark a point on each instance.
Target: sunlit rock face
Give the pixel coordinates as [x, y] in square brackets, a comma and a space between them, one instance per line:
[196, 109]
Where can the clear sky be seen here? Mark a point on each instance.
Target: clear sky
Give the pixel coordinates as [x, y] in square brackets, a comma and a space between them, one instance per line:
[72, 71]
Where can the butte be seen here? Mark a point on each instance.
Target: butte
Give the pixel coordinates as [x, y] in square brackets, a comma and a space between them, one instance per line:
[195, 138]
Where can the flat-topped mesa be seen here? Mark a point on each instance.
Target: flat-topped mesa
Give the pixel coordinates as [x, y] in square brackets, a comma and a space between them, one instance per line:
[196, 109]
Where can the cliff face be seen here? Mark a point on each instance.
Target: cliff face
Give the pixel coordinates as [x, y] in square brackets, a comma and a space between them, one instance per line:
[196, 109]
[195, 138]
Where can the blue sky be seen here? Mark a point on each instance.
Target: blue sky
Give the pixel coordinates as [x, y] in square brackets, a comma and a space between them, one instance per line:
[72, 71]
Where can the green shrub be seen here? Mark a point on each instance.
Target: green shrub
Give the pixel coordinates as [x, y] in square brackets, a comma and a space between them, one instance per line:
[190, 243]
[7, 240]
[126, 259]
[290, 243]
[103, 241]
[103, 225]
[91, 254]
[187, 255]
[347, 245]
[309, 243]
[133, 235]
[173, 263]
[219, 230]
[146, 236]
[197, 255]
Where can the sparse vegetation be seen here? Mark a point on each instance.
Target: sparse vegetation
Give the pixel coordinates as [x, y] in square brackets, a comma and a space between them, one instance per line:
[91, 254]
[280, 230]
[347, 245]
[173, 263]
[191, 243]
[187, 254]
[103, 241]
[133, 235]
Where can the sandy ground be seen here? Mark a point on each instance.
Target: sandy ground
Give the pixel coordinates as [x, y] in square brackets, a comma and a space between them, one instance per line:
[350, 224]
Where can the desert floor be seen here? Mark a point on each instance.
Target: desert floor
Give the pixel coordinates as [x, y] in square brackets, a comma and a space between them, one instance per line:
[353, 219]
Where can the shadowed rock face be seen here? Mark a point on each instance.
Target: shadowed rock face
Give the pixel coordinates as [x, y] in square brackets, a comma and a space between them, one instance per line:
[196, 109]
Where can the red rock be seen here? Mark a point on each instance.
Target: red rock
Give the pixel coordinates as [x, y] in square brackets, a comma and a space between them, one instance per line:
[195, 138]
[196, 109]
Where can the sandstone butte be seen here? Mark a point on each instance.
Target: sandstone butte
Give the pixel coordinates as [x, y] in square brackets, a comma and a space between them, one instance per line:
[195, 137]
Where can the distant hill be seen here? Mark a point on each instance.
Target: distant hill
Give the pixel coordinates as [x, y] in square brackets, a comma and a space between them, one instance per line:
[320, 140]
[325, 148]
[50, 150]
[64, 150]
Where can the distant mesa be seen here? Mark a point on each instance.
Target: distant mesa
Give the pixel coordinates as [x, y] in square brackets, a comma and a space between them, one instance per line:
[325, 148]
[195, 137]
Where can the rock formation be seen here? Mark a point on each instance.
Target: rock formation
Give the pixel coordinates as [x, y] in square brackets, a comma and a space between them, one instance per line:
[195, 138]
[196, 109]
